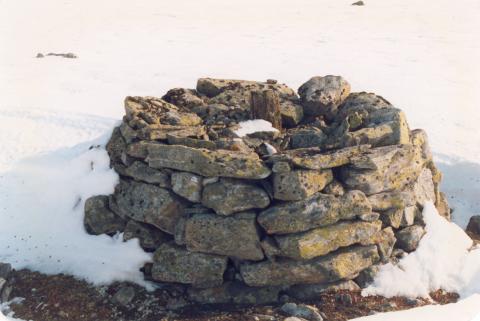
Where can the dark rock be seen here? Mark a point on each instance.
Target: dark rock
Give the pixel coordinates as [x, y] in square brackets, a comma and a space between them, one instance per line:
[173, 263]
[149, 236]
[314, 291]
[409, 237]
[99, 219]
[473, 226]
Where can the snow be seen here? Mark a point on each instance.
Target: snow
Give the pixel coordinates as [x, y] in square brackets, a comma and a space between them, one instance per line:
[422, 56]
[42, 199]
[464, 310]
[443, 259]
[254, 126]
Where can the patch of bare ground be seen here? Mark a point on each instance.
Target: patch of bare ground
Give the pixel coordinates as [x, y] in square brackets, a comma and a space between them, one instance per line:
[62, 297]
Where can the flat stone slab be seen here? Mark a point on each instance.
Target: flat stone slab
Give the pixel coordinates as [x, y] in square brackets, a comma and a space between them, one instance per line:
[234, 236]
[315, 211]
[207, 162]
[323, 240]
[148, 204]
[342, 265]
[173, 263]
[228, 196]
[299, 184]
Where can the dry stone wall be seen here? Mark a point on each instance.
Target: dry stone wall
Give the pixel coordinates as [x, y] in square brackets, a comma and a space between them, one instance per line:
[314, 206]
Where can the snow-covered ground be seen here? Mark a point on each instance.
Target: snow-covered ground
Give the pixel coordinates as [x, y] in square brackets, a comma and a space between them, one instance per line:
[420, 55]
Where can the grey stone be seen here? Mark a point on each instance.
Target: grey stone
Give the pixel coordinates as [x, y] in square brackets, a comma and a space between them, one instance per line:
[473, 226]
[149, 204]
[299, 184]
[99, 219]
[367, 276]
[5, 270]
[307, 137]
[383, 169]
[142, 172]
[337, 266]
[281, 167]
[229, 196]
[302, 310]
[314, 291]
[124, 296]
[173, 263]
[335, 188]
[187, 185]
[323, 95]
[183, 97]
[315, 211]
[234, 236]
[234, 292]
[312, 158]
[149, 236]
[206, 162]
[409, 237]
[369, 217]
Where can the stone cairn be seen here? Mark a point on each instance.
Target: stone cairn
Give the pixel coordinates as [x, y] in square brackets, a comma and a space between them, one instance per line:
[317, 205]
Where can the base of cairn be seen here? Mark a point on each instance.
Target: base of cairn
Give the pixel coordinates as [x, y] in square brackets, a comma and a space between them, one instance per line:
[317, 202]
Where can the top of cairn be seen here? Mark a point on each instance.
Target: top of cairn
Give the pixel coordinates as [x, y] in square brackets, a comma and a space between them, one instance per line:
[319, 201]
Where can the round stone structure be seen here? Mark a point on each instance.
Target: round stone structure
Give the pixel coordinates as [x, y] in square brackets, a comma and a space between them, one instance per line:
[316, 204]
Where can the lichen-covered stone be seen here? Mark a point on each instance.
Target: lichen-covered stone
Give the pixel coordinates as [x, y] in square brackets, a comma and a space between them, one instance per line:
[173, 263]
[237, 89]
[149, 204]
[335, 188]
[149, 236]
[315, 159]
[234, 236]
[383, 127]
[99, 219]
[183, 97]
[292, 113]
[157, 111]
[315, 211]
[142, 172]
[323, 95]
[383, 169]
[206, 162]
[323, 240]
[163, 132]
[299, 184]
[229, 196]
[342, 265]
[187, 185]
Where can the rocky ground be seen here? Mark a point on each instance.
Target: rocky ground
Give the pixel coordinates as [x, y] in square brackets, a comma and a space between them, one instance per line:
[61, 297]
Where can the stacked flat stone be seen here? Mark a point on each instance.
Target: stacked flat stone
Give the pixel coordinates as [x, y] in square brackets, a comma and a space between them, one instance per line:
[236, 220]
